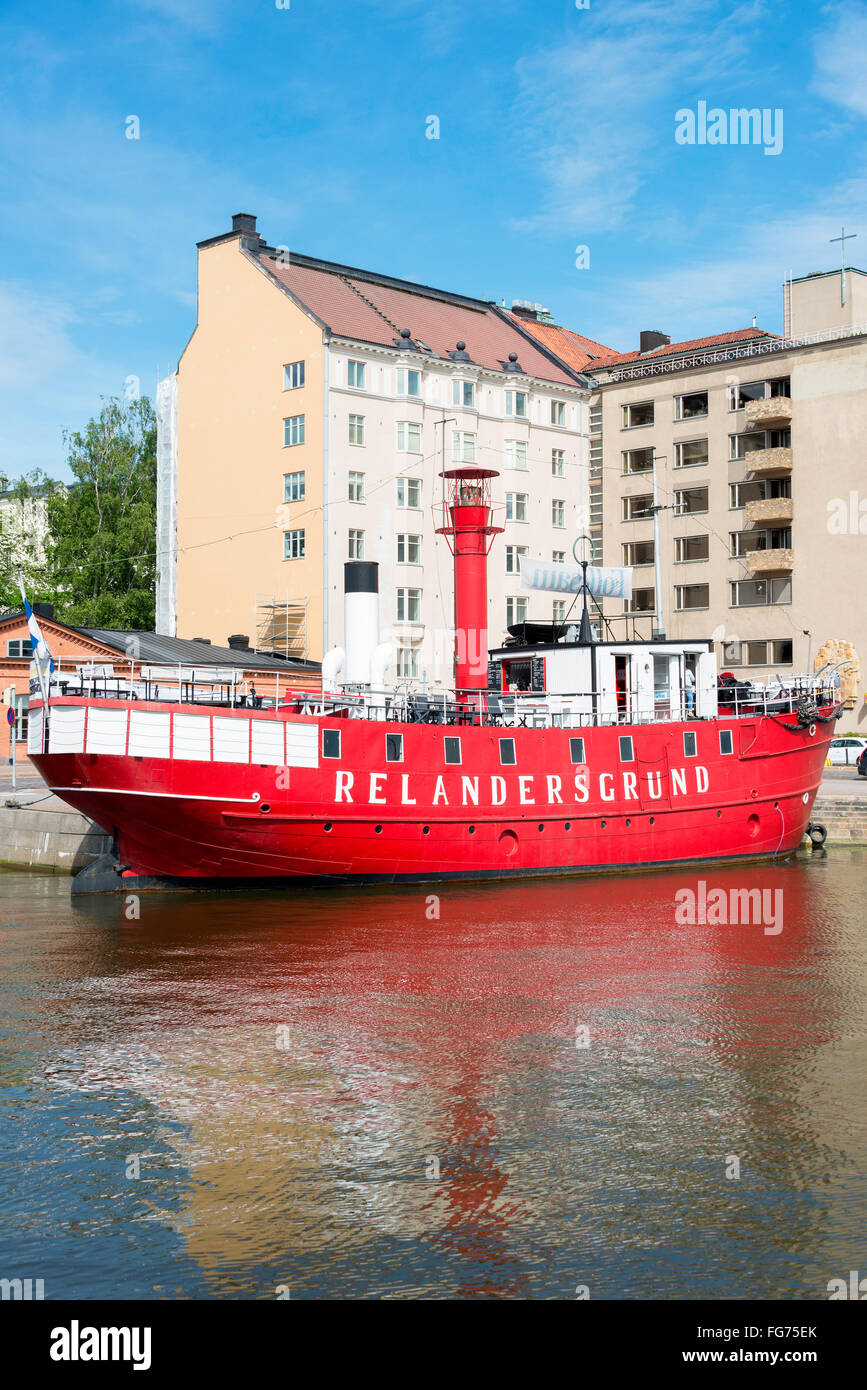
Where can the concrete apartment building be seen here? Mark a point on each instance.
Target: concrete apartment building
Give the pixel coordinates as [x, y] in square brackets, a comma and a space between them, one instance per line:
[311, 414]
[757, 444]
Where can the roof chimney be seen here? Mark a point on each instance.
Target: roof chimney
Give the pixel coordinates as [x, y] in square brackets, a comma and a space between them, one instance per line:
[651, 338]
[239, 642]
[43, 610]
[244, 222]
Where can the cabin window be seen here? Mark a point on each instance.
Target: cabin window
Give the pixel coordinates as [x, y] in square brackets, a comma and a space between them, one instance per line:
[725, 741]
[394, 748]
[331, 743]
[507, 752]
[576, 750]
[689, 745]
[452, 750]
[626, 751]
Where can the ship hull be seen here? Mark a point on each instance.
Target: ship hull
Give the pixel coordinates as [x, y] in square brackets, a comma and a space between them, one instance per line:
[572, 802]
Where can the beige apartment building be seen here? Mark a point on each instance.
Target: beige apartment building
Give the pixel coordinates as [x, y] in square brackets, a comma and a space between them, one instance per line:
[311, 414]
[752, 448]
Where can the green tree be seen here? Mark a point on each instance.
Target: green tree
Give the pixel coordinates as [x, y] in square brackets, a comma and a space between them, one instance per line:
[102, 530]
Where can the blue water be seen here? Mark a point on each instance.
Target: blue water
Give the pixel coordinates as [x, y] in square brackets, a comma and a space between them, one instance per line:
[343, 1095]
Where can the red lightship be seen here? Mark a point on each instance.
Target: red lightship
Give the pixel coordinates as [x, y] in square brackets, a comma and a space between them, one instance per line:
[558, 753]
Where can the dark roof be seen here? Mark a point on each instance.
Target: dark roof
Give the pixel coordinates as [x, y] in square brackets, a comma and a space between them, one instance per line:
[157, 650]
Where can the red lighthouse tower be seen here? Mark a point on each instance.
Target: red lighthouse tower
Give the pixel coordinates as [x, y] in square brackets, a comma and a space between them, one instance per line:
[468, 530]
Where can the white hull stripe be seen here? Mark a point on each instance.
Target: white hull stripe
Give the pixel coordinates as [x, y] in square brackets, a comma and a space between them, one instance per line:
[176, 796]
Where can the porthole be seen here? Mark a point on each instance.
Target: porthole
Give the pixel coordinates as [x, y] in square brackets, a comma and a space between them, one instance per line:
[378, 829]
[628, 821]
[472, 830]
[719, 815]
[265, 808]
[652, 818]
[425, 830]
[327, 826]
[541, 828]
[602, 824]
[805, 798]
[568, 825]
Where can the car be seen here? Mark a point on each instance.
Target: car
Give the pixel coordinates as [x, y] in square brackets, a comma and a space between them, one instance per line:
[862, 764]
[845, 752]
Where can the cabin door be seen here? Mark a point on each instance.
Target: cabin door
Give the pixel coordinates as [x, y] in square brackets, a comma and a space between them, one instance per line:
[622, 687]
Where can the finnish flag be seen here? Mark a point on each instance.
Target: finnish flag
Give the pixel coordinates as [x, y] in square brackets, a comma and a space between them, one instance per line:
[41, 655]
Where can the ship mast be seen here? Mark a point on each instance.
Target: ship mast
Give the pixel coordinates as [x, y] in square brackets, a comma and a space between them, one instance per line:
[469, 532]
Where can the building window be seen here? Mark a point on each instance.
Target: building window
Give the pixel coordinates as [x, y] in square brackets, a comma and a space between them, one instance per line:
[762, 653]
[558, 610]
[463, 447]
[408, 606]
[356, 429]
[293, 545]
[642, 601]
[394, 748]
[19, 647]
[408, 437]
[452, 750]
[331, 743]
[558, 412]
[507, 752]
[22, 709]
[513, 558]
[356, 487]
[689, 500]
[293, 376]
[559, 557]
[759, 491]
[516, 611]
[294, 486]
[408, 549]
[690, 453]
[742, 445]
[758, 391]
[639, 414]
[408, 381]
[464, 394]
[516, 403]
[406, 663]
[516, 506]
[516, 454]
[558, 512]
[688, 596]
[638, 553]
[690, 407]
[293, 431]
[558, 463]
[687, 548]
[638, 508]
[355, 374]
[356, 545]
[409, 492]
[754, 593]
[725, 742]
[576, 751]
[690, 745]
[627, 753]
[637, 461]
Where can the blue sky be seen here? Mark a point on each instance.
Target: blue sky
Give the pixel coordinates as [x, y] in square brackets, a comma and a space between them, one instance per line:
[556, 130]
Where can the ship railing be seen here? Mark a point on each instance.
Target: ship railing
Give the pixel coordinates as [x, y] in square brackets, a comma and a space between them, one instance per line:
[456, 708]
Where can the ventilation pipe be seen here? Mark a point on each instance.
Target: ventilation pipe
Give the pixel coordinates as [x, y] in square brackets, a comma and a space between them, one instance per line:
[332, 665]
[360, 619]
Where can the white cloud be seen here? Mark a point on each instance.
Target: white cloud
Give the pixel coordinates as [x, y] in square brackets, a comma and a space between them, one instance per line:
[593, 106]
[840, 54]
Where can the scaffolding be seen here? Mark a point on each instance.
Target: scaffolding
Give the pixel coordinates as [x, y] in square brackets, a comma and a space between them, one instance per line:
[280, 624]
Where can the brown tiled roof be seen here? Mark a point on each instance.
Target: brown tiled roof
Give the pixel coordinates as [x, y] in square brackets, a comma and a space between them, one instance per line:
[373, 309]
[574, 349]
[738, 335]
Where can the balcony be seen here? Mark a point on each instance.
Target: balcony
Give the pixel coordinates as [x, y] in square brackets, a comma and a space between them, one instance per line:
[763, 462]
[771, 414]
[769, 510]
[770, 561]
